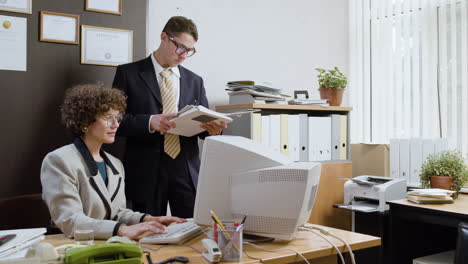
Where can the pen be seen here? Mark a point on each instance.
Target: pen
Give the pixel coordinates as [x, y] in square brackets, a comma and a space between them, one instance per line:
[243, 219]
[225, 234]
[216, 219]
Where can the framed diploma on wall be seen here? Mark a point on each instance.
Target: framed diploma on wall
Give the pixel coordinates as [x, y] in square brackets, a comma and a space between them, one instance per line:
[104, 6]
[106, 46]
[59, 28]
[13, 43]
[18, 6]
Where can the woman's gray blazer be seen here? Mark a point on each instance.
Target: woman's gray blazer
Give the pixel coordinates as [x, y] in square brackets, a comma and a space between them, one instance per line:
[77, 196]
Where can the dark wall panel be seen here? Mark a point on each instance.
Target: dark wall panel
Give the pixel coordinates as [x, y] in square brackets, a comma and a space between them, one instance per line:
[29, 101]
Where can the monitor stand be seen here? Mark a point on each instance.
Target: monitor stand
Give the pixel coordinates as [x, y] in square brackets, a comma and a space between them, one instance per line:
[256, 239]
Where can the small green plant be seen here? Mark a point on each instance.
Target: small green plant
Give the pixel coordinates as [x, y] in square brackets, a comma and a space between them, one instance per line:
[446, 163]
[331, 78]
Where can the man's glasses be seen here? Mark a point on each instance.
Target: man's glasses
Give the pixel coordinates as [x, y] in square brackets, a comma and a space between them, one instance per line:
[110, 119]
[181, 49]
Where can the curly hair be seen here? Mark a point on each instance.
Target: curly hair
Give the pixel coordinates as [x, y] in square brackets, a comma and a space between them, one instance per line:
[83, 103]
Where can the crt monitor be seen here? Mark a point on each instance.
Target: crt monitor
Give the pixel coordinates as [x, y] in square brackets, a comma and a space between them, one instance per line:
[239, 176]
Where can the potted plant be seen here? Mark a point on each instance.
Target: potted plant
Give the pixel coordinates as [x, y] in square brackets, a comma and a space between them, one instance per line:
[331, 85]
[445, 170]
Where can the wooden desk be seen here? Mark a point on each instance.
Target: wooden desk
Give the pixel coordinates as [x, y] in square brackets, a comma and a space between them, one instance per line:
[310, 245]
[418, 230]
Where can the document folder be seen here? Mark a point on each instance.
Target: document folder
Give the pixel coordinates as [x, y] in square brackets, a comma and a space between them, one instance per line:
[303, 137]
[191, 117]
[266, 130]
[319, 138]
[293, 137]
[256, 127]
[275, 137]
[394, 158]
[335, 137]
[284, 135]
[415, 162]
[405, 159]
[24, 238]
[343, 137]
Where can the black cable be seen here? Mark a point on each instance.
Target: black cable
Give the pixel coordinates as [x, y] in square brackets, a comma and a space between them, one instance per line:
[157, 249]
[148, 257]
[154, 250]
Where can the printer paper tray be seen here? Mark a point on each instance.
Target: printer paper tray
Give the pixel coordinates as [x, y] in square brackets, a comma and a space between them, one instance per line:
[360, 207]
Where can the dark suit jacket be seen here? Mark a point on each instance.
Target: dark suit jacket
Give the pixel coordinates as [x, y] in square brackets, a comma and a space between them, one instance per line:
[142, 156]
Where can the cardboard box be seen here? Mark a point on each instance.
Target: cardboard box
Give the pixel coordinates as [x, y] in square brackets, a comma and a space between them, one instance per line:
[370, 159]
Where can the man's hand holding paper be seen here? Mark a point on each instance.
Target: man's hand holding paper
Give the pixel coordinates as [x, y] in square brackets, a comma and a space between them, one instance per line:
[213, 128]
[162, 122]
[192, 120]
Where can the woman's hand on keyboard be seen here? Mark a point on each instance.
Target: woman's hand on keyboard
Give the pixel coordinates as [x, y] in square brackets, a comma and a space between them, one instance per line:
[138, 230]
[165, 220]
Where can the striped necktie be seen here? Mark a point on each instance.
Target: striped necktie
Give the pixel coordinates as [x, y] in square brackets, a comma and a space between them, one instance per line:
[171, 142]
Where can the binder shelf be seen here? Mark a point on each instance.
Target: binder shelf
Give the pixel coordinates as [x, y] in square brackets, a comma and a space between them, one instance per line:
[281, 107]
[301, 132]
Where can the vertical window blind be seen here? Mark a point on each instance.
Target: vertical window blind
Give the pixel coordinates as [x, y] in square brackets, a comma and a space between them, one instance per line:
[409, 70]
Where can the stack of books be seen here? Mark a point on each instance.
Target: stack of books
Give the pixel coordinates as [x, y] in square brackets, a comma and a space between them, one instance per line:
[430, 196]
[251, 92]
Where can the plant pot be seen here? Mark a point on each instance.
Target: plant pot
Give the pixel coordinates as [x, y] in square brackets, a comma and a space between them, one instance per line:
[442, 182]
[334, 96]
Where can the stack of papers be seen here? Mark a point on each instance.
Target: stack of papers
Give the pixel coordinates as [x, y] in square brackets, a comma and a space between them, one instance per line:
[320, 102]
[253, 92]
[430, 196]
[17, 247]
[259, 86]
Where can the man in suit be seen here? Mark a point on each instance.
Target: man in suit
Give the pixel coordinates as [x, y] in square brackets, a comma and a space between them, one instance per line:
[162, 167]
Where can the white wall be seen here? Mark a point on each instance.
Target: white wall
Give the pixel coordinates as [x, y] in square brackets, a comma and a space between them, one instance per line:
[278, 41]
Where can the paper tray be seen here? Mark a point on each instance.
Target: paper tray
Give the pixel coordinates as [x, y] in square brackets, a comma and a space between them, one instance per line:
[359, 207]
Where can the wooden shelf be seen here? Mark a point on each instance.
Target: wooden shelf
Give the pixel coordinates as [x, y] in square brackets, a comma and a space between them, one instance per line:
[284, 107]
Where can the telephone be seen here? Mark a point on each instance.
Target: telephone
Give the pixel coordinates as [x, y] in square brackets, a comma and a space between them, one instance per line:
[114, 253]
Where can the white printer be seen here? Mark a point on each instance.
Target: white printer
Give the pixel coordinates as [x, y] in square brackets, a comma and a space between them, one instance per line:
[371, 193]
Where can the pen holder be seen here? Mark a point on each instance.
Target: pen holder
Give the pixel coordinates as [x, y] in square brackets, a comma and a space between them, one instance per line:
[230, 242]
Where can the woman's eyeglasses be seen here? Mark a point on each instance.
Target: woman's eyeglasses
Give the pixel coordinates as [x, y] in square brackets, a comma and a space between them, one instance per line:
[110, 119]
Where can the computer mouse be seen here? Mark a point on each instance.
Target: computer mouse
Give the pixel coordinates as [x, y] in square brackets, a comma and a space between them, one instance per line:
[120, 239]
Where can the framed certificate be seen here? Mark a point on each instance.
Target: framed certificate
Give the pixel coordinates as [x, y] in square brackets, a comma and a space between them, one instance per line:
[104, 6]
[13, 43]
[106, 46]
[18, 6]
[59, 28]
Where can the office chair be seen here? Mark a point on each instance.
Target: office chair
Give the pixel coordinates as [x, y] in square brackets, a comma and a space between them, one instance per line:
[25, 211]
[461, 252]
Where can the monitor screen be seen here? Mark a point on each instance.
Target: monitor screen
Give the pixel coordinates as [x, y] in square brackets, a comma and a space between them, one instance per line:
[239, 176]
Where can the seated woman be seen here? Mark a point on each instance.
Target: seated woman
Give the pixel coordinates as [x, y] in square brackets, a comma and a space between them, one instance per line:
[82, 185]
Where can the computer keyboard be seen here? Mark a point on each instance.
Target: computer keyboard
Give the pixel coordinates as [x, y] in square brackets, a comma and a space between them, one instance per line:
[176, 233]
